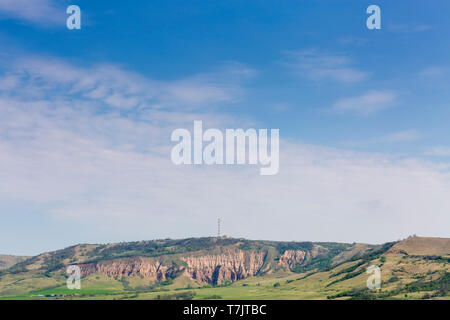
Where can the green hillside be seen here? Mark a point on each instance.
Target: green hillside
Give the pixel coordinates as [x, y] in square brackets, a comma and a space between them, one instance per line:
[7, 261]
[225, 268]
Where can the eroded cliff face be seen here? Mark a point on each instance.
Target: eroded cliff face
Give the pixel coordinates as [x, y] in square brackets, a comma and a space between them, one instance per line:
[290, 258]
[150, 268]
[232, 264]
[215, 268]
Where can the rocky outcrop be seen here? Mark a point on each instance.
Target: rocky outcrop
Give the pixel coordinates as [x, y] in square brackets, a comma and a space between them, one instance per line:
[232, 264]
[146, 267]
[214, 268]
[290, 258]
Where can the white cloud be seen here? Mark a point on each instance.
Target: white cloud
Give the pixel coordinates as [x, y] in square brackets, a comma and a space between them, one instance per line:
[352, 40]
[321, 66]
[44, 12]
[81, 159]
[396, 137]
[433, 71]
[438, 151]
[401, 136]
[280, 107]
[407, 28]
[367, 103]
[125, 90]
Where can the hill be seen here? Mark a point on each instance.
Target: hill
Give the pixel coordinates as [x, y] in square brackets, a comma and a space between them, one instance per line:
[215, 268]
[7, 261]
[423, 246]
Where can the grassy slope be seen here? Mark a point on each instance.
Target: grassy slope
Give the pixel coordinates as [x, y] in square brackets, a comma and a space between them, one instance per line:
[7, 261]
[399, 270]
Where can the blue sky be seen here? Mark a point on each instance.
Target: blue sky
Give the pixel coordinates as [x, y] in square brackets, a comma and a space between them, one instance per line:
[87, 115]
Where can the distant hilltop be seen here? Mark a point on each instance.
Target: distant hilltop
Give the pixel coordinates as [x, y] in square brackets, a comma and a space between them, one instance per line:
[7, 261]
[217, 261]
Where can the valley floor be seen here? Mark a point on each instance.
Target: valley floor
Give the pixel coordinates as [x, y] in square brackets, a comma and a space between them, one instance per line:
[403, 277]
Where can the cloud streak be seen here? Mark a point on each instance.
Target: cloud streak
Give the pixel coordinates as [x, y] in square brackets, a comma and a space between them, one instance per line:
[42, 77]
[392, 138]
[320, 66]
[439, 151]
[43, 12]
[434, 71]
[366, 104]
[68, 149]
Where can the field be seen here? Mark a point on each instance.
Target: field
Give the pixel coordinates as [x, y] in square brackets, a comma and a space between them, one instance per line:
[403, 277]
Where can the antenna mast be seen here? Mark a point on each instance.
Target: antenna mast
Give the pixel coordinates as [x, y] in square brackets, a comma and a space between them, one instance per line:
[218, 227]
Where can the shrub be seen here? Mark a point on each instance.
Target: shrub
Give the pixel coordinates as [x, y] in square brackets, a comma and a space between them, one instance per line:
[188, 295]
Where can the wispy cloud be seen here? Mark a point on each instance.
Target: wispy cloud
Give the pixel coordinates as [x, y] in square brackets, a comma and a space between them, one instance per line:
[124, 89]
[401, 136]
[407, 28]
[322, 66]
[396, 137]
[44, 12]
[352, 40]
[434, 71]
[69, 150]
[368, 103]
[280, 107]
[438, 151]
